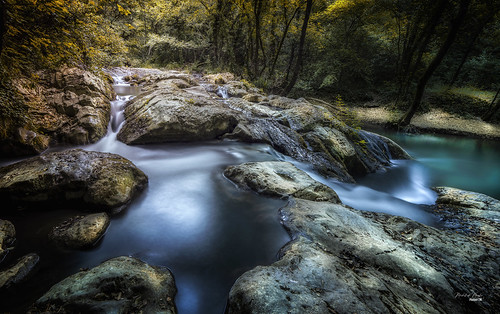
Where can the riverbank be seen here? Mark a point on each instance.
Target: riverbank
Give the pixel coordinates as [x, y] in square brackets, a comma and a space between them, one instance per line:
[434, 121]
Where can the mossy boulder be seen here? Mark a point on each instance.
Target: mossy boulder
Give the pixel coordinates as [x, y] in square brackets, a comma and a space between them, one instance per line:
[80, 232]
[119, 285]
[76, 178]
[69, 105]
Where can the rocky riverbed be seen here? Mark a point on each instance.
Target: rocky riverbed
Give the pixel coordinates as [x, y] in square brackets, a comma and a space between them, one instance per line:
[340, 260]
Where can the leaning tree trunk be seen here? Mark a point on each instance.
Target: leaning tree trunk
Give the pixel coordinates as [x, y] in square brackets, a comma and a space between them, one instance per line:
[455, 26]
[300, 54]
[493, 108]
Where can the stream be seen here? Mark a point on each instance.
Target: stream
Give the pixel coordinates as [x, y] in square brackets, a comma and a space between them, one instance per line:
[208, 232]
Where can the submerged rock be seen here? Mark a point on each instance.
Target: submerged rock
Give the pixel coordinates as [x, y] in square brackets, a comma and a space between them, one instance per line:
[19, 271]
[276, 178]
[81, 231]
[119, 285]
[7, 237]
[346, 261]
[81, 179]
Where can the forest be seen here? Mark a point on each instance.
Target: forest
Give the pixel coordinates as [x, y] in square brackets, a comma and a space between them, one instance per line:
[249, 156]
[388, 51]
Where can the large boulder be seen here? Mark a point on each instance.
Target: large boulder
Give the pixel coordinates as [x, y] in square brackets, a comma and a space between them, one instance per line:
[69, 105]
[168, 113]
[120, 285]
[81, 231]
[81, 179]
[19, 271]
[7, 237]
[346, 261]
[174, 107]
[276, 178]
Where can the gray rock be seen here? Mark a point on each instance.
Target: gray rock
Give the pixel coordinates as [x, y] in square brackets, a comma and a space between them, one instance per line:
[466, 199]
[81, 231]
[82, 179]
[276, 178]
[168, 114]
[167, 111]
[119, 285]
[17, 273]
[471, 213]
[345, 261]
[7, 237]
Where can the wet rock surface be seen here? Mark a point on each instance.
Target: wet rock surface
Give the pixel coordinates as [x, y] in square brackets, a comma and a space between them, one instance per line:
[344, 261]
[119, 285]
[474, 214]
[19, 271]
[80, 232]
[177, 106]
[69, 105]
[7, 237]
[78, 178]
[276, 178]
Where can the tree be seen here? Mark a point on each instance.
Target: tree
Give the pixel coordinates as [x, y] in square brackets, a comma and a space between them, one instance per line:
[455, 26]
[298, 64]
[493, 108]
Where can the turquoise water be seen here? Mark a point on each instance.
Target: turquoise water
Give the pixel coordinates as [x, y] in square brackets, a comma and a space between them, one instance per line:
[465, 163]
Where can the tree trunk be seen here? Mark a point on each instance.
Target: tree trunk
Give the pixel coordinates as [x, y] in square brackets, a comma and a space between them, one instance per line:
[298, 64]
[420, 44]
[257, 15]
[282, 41]
[493, 107]
[455, 26]
[216, 30]
[3, 26]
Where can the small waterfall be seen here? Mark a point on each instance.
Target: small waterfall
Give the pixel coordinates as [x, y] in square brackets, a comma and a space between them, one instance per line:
[117, 113]
[377, 146]
[222, 92]
[125, 93]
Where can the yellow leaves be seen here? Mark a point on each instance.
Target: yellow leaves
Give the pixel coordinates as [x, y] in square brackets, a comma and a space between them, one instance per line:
[122, 10]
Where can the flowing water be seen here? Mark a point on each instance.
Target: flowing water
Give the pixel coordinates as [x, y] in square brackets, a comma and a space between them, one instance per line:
[208, 232]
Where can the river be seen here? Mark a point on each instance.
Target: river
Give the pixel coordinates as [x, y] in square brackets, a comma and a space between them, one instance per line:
[208, 232]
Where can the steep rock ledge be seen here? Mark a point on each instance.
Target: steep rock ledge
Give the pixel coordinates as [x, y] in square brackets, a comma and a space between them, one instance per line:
[70, 106]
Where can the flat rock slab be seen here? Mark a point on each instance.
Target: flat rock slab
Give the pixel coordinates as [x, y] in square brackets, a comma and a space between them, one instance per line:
[343, 261]
[81, 231]
[19, 271]
[7, 237]
[277, 178]
[76, 178]
[471, 213]
[466, 199]
[346, 261]
[119, 285]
